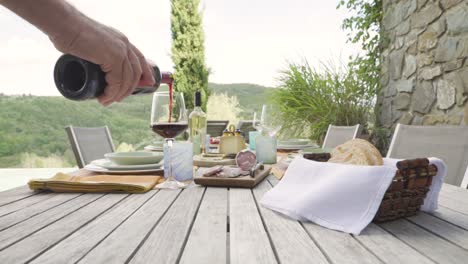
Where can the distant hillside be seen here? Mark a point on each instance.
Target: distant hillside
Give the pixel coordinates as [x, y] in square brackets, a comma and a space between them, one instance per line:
[32, 124]
[251, 96]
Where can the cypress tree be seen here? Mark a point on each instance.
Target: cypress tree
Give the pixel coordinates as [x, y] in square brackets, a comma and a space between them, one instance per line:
[188, 51]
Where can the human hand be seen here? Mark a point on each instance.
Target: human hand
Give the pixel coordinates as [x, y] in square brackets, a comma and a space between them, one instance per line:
[124, 65]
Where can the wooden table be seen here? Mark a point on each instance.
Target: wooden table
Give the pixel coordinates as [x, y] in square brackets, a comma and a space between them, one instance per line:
[213, 225]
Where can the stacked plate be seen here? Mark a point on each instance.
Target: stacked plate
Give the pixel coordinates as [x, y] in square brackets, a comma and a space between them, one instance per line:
[157, 146]
[295, 144]
[128, 163]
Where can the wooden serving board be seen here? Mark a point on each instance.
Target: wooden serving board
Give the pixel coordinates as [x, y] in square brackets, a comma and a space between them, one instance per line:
[242, 181]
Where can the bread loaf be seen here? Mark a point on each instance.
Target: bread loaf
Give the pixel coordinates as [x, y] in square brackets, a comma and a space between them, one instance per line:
[357, 152]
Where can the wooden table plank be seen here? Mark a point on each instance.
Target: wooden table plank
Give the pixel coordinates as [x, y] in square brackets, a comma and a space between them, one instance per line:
[443, 229]
[52, 234]
[432, 246]
[126, 238]
[453, 217]
[207, 242]
[15, 194]
[340, 247]
[56, 200]
[165, 243]
[453, 204]
[291, 241]
[23, 203]
[33, 224]
[249, 242]
[74, 247]
[388, 248]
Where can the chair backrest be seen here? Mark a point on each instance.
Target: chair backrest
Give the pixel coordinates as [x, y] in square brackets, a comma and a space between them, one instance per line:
[449, 143]
[89, 143]
[246, 126]
[337, 135]
[215, 128]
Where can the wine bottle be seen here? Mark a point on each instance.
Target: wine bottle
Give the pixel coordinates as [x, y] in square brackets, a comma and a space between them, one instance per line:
[197, 126]
[79, 79]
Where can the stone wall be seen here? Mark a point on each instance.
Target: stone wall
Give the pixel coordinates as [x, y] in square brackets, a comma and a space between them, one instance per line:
[424, 66]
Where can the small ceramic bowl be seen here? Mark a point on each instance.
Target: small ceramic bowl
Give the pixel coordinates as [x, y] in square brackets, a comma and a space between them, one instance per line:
[135, 158]
[294, 142]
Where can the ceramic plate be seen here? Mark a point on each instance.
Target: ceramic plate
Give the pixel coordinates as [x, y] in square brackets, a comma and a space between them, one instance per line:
[95, 168]
[294, 147]
[154, 148]
[316, 150]
[107, 164]
[294, 142]
[134, 157]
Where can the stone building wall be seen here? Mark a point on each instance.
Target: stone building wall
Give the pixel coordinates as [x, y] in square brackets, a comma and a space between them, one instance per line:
[424, 66]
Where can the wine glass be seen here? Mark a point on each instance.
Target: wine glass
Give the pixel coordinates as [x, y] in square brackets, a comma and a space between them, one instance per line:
[256, 122]
[270, 121]
[169, 119]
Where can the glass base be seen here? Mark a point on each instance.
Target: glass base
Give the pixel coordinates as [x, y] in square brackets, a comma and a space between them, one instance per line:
[171, 184]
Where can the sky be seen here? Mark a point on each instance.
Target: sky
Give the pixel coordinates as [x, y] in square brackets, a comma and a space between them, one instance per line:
[246, 41]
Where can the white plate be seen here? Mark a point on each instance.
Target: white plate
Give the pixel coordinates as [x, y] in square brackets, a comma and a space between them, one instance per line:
[153, 148]
[292, 147]
[295, 142]
[95, 168]
[107, 164]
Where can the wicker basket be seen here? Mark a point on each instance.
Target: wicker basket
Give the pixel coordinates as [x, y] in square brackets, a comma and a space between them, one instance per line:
[406, 193]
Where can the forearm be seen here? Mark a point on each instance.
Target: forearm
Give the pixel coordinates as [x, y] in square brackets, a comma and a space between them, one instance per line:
[56, 18]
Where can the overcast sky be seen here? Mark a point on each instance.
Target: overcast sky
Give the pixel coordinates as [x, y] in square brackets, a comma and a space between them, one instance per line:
[246, 41]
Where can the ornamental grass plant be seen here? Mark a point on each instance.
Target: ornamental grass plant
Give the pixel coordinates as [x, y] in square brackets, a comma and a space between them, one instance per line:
[312, 98]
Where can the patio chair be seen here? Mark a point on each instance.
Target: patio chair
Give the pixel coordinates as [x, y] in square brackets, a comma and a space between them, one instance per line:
[449, 143]
[246, 126]
[337, 135]
[89, 143]
[215, 128]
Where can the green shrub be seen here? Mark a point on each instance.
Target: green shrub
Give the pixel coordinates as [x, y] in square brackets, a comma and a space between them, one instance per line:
[312, 98]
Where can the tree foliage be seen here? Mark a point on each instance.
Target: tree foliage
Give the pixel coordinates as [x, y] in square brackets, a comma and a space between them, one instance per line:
[188, 51]
[364, 28]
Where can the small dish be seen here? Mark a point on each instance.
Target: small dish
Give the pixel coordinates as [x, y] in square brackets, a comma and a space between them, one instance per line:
[135, 158]
[294, 142]
[107, 164]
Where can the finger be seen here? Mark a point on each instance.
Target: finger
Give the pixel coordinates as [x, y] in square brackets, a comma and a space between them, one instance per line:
[127, 79]
[147, 77]
[114, 79]
[136, 68]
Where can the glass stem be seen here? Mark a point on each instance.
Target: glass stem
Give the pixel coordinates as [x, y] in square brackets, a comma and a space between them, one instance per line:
[169, 142]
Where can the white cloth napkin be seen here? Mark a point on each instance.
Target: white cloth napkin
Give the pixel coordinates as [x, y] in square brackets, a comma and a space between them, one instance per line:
[339, 196]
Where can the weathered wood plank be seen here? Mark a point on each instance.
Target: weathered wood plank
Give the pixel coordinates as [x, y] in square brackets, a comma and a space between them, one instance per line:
[454, 217]
[340, 247]
[249, 242]
[453, 204]
[23, 203]
[425, 242]
[74, 247]
[39, 208]
[337, 246]
[166, 241]
[388, 248]
[291, 241]
[15, 194]
[51, 234]
[443, 229]
[126, 238]
[33, 224]
[207, 241]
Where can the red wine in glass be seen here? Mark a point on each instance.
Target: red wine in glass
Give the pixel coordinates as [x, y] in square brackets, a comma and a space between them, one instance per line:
[169, 130]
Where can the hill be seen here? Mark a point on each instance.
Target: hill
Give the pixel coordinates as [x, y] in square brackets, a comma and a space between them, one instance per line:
[33, 124]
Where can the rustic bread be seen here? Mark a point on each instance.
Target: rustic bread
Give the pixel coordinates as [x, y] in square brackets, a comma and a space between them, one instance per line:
[357, 152]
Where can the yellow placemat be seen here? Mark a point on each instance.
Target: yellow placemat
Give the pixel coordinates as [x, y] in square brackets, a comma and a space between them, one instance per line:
[99, 183]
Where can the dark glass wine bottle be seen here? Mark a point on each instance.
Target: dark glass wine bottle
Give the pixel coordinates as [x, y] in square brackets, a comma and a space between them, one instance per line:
[79, 79]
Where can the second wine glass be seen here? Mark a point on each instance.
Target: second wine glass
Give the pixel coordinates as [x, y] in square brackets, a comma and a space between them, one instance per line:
[169, 119]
